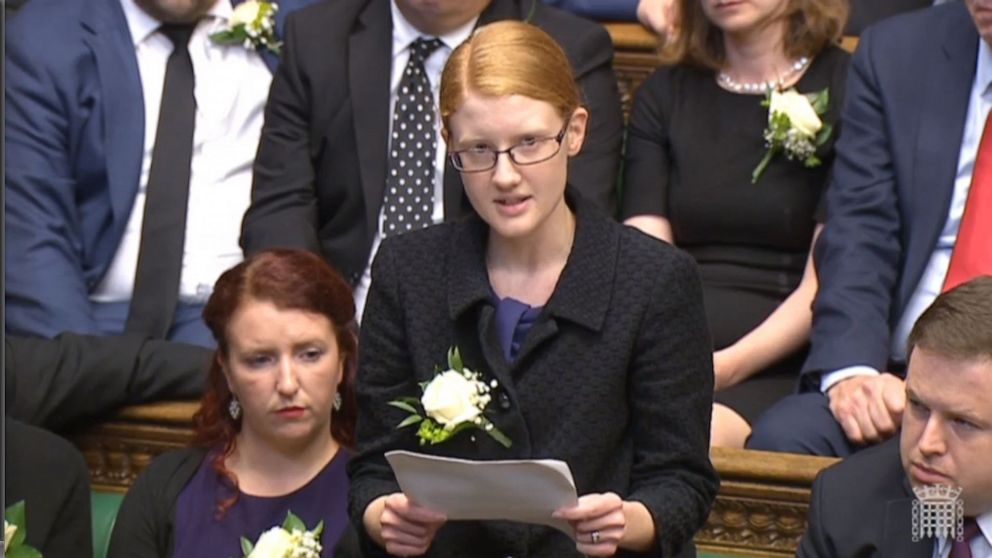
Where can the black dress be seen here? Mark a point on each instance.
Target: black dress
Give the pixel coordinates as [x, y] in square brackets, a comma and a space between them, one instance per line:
[691, 149]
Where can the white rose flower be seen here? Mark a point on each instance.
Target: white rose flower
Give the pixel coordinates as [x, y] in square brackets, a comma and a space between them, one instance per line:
[800, 111]
[9, 530]
[449, 399]
[245, 14]
[274, 543]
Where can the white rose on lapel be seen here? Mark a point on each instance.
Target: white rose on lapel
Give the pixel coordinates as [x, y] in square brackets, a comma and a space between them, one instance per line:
[798, 108]
[450, 399]
[274, 542]
[253, 25]
[245, 13]
[290, 540]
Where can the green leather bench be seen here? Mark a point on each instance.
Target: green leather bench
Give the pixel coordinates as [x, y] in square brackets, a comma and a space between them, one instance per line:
[104, 506]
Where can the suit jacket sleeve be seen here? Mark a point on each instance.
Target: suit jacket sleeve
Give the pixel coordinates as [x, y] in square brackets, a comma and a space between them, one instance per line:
[814, 541]
[72, 528]
[858, 254]
[384, 377]
[45, 291]
[594, 170]
[672, 385]
[283, 211]
[56, 382]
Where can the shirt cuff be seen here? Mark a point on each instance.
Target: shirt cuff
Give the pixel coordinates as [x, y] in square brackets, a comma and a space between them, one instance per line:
[829, 379]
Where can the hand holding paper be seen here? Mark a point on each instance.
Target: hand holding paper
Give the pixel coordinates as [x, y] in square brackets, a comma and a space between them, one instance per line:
[598, 521]
[528, 491]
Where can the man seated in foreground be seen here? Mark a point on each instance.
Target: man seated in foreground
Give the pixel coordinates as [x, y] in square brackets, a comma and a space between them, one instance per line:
[946, 439]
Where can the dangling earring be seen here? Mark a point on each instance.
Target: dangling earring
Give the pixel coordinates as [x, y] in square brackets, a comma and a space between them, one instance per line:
[337, 401]
[234, 408]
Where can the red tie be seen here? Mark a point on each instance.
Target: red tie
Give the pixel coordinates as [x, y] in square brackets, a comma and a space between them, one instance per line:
[962, 548]
[972, 255]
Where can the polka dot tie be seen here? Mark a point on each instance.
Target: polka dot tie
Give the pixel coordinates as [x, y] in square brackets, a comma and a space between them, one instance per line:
[409, 200]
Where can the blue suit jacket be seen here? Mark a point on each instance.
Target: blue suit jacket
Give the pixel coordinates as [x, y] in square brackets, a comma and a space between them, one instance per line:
[605, 10]
[74, 138]
[893, 177]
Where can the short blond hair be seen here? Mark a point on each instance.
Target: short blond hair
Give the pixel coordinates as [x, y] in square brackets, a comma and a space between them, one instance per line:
[509, 58]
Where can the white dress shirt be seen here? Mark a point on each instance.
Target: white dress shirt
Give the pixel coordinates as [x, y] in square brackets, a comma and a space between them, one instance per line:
[981, 546]
[932, 280]
[404, 33]
[232, 85]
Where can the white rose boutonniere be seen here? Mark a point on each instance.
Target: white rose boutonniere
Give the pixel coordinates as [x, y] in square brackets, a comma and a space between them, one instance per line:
[291, 540]
[14, 533]
[794, 127]
[454, 400]
[253, 25]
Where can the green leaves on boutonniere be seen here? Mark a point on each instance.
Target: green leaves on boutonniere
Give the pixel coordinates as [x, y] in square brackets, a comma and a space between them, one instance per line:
[454, 400]
[15, 532]
[795, 127]
[291, 540]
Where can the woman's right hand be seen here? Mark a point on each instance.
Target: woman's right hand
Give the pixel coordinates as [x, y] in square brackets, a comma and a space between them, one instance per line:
[400, 526]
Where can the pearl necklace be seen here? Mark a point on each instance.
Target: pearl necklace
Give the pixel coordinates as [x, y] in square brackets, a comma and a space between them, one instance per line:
[730, 83]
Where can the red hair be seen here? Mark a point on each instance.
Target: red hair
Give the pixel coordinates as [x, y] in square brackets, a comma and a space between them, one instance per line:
[291, 280]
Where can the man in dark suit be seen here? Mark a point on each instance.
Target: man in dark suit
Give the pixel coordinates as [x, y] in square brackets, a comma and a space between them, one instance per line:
[864, 505]
[898, 207]
[84, 88]
[325, 153]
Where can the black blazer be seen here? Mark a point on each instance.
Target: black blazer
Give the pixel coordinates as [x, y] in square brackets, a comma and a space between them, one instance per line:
[862, 507]
[321, 165]
[615, 377]
[51, 477]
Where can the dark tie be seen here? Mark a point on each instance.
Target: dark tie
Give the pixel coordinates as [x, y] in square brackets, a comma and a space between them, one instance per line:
[962, 548]
[409, 199]
[972, 255]
[160, 255]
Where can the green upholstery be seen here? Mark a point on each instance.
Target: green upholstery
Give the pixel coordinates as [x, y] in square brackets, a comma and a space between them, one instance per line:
[104, 507]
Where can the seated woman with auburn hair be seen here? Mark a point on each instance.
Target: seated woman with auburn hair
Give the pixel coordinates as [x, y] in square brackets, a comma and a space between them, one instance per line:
[273, 426]
[589, 336]
[696, 147]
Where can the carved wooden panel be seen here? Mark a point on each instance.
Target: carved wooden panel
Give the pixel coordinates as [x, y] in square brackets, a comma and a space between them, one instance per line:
[634, 58]
[119, 449]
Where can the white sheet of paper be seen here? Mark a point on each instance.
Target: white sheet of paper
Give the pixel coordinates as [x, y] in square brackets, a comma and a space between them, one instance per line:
[515, 490]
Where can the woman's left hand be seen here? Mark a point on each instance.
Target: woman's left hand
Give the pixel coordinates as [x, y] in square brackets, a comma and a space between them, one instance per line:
[599, 523]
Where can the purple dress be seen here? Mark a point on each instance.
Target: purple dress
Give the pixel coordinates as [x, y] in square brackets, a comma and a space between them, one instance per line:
[199, 534]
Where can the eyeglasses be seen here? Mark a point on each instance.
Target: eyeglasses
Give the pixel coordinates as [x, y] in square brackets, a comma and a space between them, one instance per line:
[530, 151]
